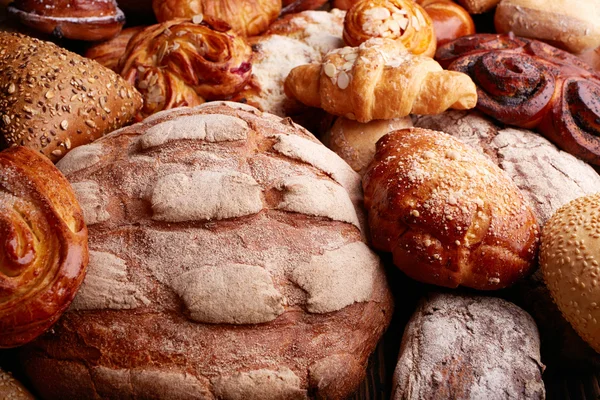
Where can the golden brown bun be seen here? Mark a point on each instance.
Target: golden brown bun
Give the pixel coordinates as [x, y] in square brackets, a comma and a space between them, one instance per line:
[43, 246]
[450, 21]
[478, 6]
[355, 141]
[448, 214]
[246, 17]
[571, 25]
[181, 63]
[11, 389]
[52, 100]
[401, 20]
[379, 80]
[72, 19]
[108, 53]
[264, 289]
[569, 256]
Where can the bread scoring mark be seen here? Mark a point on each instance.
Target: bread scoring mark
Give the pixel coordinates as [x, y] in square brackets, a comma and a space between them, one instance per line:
[205, 195]
[261, 384]
[229, 293]
[106, 286]
[231, 104]
[319, 198]
[92, 202]
[209, 127]
[80, 158]
[338, 278]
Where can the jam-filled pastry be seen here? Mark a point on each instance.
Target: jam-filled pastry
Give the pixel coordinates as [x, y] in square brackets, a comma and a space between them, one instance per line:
[72, 19]
[401, 20]
[183, 63]
[43, 245]
[246, 17]
[379, 80]
[531, 84]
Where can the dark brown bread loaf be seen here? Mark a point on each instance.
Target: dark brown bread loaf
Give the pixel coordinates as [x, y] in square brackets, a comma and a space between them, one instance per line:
[466, 347]
[227, 262]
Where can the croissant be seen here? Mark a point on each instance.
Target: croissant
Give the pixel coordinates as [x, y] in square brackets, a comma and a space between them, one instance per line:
[43, 245]
[531, 84]
[379, 80]
[181, 63]
[246, 17]
[402, 20]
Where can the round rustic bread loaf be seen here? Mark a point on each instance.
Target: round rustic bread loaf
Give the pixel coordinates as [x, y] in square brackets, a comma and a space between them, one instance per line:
[226, 261]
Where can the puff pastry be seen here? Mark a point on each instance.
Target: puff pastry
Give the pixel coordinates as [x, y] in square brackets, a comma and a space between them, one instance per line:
[402, 20]
[379, 80]
[246, 17]
[181, 63]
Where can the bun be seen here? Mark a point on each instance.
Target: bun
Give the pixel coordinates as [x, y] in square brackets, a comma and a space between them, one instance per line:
[572, 26]
[450, 21]
[71, 19]
[379, 80]
[568, 257]
[43, 252]
[448, 214]
[72, 100]
[478, 6]
[469, 347]
[108, 53]
[11, 389]
[530, 84]
[246, 294]
[181, 63]
[246, 17]
[401, 20]
[355, 142]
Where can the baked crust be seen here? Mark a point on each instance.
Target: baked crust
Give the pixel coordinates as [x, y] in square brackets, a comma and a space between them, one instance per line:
[108, 53]
[379, 80]
[12, 389]
[450, 21]
[43, 246]
[448, 214]
[72, 19]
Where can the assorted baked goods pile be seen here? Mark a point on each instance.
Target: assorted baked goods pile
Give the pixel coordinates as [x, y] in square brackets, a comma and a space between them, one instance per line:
[231, 175]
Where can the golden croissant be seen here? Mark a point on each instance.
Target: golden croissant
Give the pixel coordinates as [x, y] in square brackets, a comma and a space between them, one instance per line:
[401, 20]
[379, 79]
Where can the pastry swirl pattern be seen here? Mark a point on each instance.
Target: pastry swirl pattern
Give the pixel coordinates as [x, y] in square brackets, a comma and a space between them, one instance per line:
[530, 84]
[43, 245]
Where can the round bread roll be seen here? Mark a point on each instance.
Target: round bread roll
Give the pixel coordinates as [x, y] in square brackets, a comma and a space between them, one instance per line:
[226, 262]
[355, 141]
[570, 25]
[447, 213]
[43, 245]
[11, 389]
[569, 256]
[52, 100]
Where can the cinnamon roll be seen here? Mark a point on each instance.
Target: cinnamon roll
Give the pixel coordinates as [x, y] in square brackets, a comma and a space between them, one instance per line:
[43, 245]
[531, 84]
[183, 63]
[401, 20]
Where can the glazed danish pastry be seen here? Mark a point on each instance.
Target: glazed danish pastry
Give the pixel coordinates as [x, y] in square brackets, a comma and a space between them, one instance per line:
[43, 245]
[401, 20]
[181, 63]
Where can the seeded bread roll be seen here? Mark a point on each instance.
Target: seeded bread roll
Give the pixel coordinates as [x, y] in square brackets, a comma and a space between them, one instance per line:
[11, 389]
[262, 290]
[73, 19]
[448, 214]
[52, 100]
[468, 347]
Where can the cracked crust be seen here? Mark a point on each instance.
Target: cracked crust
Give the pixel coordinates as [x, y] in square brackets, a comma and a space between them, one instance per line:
[467, 347]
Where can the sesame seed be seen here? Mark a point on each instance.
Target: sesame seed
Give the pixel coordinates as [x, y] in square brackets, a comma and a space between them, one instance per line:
[64, 124]
[12, 88]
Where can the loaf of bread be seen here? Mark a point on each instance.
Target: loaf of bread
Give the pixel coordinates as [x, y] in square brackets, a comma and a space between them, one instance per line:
[11, 389]
[448, 214]
[548, 178]
[53, 100]
[43, 246]
[469, 347]
[262, 290]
